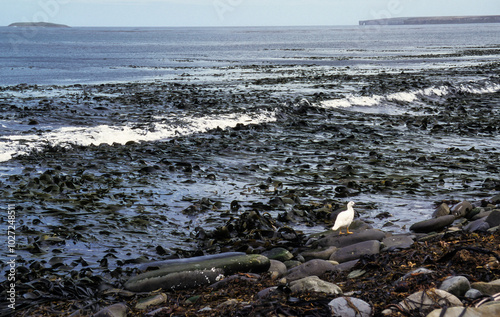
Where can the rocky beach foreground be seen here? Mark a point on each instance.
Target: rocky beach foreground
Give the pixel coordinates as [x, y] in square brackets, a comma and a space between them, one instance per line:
[447, 266]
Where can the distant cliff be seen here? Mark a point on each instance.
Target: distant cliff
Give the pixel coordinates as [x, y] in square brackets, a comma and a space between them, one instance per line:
[434, 20]
[38, 24]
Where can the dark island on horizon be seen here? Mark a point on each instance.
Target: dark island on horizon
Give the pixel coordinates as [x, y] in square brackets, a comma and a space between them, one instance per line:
[433, 20]
[38, 24]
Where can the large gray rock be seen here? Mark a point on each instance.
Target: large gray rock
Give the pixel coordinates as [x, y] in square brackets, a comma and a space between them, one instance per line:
[356, 251]
[456, 285]
[479, 225]
[314, 284]
[494, 218]
[490, 288]
[350, 307]
[431, 225]
[314, 267]
[203, 271]
[345, 239]
[397, 242]
[491, 310]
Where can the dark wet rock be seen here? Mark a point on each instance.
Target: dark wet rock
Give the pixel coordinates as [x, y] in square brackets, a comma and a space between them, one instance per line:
[350, 307]
[490, 288]
[277, 269]
[322, 254]
[396, 242]
[483, 311]
[204, 271]
[494, 218]
[145, 303]
[479, 225]
[116, 310]
[159, 264]
[355, 251]
[310, 268]
[442, 210]
[462, 209]
[279, 254]
[456, 285]
[314, 284]
[431, 225]
[340, 241]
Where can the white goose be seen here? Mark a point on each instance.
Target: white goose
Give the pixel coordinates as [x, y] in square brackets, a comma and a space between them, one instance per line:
[344, 219]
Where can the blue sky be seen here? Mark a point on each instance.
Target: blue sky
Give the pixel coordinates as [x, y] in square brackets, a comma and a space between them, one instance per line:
[231, 12]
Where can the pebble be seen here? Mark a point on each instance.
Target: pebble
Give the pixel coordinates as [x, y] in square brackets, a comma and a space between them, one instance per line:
[277, 269]
[442, 210]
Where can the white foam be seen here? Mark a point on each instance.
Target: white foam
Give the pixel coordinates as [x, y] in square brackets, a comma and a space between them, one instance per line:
[483, 87]
[22, 144]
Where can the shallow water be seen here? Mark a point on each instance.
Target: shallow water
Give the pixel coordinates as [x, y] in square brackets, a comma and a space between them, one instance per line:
[396, 118]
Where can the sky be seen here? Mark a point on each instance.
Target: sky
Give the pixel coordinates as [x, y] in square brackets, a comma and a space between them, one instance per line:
[156, 13]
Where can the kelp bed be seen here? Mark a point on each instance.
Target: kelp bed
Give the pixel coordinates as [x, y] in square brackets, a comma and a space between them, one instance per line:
[386, 281]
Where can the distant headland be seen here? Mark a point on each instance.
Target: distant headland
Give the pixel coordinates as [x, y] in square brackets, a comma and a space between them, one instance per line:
[434, 20]
[38, 24]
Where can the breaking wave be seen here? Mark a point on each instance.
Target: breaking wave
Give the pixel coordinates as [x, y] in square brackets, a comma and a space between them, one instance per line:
[434, 93]
[22, 144]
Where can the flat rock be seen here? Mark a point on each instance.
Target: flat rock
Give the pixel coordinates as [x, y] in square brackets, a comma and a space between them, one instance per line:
[203, 271]
[322, 254]
[350, 307]
[479, 225]
[310, 268]
[397, 242]
[314, 284]
[116, 310]
[483, 311]
[346, 266]
[344, 240]
[355, 251]
[490, 288]
[494, 218]
[456, 285]
[431, 225]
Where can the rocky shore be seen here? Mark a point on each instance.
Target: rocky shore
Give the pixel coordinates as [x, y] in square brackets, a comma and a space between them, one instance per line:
[447, 266]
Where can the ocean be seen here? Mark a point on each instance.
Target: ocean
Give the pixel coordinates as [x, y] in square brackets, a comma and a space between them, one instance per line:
[131, 139]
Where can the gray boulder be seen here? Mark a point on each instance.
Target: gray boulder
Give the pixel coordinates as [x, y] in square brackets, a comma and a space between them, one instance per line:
[356, 251]
[462, 209]
[490, 288]
[494, 218]
[442, 210]
[479, 225]
[277, 269]
[431, 225]
[279, 254]
[490, 310]
[397, 242]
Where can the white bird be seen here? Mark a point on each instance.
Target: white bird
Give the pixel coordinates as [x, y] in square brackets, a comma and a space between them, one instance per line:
[345, 218]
